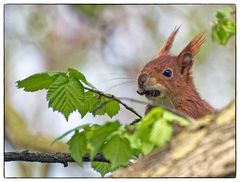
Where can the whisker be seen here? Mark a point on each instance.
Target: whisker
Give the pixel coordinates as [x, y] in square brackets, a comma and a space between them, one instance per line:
[113, 79]
[172, 105]
[130, 78]
[161, 101]
[120, 84]
[110, 74]
[134, 100]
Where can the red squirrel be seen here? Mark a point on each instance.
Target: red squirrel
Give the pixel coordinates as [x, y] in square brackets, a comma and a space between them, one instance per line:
[167, 80]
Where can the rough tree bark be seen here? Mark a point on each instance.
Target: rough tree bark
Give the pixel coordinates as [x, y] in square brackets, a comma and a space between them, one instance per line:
[205, 149]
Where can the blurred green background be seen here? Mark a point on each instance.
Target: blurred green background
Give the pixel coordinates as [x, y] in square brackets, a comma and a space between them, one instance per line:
[110, 44]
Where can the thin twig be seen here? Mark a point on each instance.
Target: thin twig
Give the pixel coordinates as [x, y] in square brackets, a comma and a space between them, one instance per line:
[44, 157]
[118, 99]
[153, 105]
[110, 96]
[136, 101]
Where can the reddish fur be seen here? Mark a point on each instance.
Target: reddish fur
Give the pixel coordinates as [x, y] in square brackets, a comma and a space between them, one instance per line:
[179, 87]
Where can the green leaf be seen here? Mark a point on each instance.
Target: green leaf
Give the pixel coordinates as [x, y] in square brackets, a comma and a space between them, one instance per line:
[68, 132]
[106, 106]
[172, 117]
[224, 27]
[134, 140]
[76, 74]
[117, 150]
[112, 108]
[78, 147]
[220, 15]
[37, 81]
[100, 106]
[94, 103]
[161, 132]
[155, 129]
[65, 95]
[225, 13]
[144, 127]
[90, 102]
[96, 137]
[86, 105]
[101, 167]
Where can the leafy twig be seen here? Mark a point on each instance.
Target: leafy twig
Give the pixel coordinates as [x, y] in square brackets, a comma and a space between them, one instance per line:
[110, 96]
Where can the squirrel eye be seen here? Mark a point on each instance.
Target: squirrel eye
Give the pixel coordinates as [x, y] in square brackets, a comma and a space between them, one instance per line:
[167, 73]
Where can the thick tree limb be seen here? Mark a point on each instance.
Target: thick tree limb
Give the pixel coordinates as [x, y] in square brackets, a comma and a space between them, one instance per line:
[44, 157]
[205, 149]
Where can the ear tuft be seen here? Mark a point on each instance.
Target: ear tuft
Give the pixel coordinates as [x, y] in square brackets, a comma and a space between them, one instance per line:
[168, 44]
[195, 44]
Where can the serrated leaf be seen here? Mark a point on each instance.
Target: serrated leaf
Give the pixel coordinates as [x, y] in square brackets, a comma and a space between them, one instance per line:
[106, 106]
[86, 105]
[65, 95]
[99, 106]
[90, 102]
[96, 137]
[37, 81]
[117, 150]
[76, 74]
[78, 147]
[112, 108]
[172, 117]
[94, 102]
[101, 167]
[161, 132]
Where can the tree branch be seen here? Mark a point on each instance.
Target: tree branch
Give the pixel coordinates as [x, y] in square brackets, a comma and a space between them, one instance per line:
[110, 96]
[44, 157]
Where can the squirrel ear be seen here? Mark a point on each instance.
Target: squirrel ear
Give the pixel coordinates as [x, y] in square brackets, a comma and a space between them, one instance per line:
[166, 47]
[185, 62]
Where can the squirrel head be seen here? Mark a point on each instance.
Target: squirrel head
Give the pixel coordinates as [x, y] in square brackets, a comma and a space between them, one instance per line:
[167, 76]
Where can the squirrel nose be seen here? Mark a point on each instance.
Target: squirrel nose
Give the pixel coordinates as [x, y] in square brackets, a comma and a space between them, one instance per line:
[142, 79]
